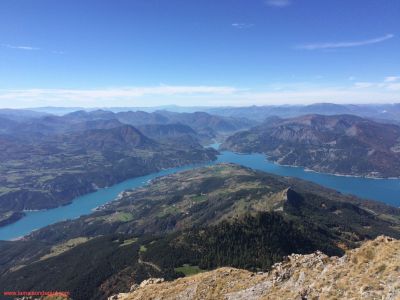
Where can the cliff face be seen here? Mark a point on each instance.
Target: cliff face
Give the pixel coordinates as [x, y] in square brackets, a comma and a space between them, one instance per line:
[369, 272]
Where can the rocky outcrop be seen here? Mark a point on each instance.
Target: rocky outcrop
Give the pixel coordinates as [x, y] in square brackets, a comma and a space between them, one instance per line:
[369, 272]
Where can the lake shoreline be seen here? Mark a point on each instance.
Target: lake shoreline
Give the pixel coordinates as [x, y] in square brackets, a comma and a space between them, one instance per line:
[385, 191]
[307, 169]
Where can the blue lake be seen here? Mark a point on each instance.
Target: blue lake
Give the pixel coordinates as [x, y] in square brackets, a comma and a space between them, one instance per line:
[385, 190]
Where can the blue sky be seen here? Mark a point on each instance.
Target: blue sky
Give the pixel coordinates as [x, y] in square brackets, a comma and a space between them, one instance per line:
[198, 52]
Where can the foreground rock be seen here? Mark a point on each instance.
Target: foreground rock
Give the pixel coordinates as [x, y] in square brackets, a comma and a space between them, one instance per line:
[369, 272]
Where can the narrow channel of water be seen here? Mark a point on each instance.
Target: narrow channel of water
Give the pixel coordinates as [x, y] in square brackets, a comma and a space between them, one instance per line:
[385, 190]
[81, 205]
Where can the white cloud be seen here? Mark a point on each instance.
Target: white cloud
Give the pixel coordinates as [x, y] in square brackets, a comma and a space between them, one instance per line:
[392, 78]
[242, 25]
[296, 93]
[29, 48]
[94, 97]
[278, 3]
[332, 95]
[363, 85]
[348, 44]
[390, 83]
[393, 86]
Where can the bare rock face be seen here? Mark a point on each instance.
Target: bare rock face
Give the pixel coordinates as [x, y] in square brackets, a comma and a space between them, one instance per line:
[369, 272]
[151, 281]
[134, 287]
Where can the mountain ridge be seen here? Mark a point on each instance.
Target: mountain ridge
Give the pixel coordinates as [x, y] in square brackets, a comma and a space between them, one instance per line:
[368, 272]
[339, 144]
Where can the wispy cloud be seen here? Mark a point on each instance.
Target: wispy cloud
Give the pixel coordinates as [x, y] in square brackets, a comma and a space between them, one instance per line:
[315, 46]
[390, 83]
[28, 48]
[278, 3]
[31, 48]
[301, 93]
[122, 95]
[242, 25]
[122, 92]
[392, 78]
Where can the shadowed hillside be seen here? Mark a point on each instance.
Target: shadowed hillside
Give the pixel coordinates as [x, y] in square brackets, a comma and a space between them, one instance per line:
[341, 144]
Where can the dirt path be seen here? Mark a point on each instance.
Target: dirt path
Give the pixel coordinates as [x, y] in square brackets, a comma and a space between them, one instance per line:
[140, 261]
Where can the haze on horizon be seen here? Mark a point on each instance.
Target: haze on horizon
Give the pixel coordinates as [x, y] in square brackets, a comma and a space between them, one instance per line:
[100, 53]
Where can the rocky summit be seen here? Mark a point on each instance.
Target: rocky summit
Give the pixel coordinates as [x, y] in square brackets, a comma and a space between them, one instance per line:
[369, 272]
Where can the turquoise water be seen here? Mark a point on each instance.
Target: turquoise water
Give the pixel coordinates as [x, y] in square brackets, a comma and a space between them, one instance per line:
[385, 190]
[80, 206]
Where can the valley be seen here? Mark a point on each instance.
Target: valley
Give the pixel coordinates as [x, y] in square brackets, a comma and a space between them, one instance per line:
[146, 196]
[204, 218]
[382, 190]
[46, 160]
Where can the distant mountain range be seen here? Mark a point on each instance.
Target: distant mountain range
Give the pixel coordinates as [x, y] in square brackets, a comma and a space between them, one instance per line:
[383, 112]
[207, 126]
[223, 215]
[339, 144]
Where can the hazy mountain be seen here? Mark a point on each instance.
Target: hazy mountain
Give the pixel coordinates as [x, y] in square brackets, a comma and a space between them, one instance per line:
[121, 137]
[340, 144]
[43, 127]
[140, 118]
[167, 130]
[174, 134]
[207, 126]
[81, 115]
[383, 112]
[200, 120]
[20, 114]
[7, 125]
[388, 112]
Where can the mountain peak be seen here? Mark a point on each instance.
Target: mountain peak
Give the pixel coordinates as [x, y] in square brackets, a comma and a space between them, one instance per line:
[368, 272]
[123, 137]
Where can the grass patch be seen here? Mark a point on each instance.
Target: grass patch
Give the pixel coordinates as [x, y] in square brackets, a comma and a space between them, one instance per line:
[63, 247]
[128, 242]
[189, 270]
[199, 198]
[125, 217]
[169, 210]
[120, 217]
[143, 248]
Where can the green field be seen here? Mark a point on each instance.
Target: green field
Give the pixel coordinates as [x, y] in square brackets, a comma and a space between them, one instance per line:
[189, 270]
